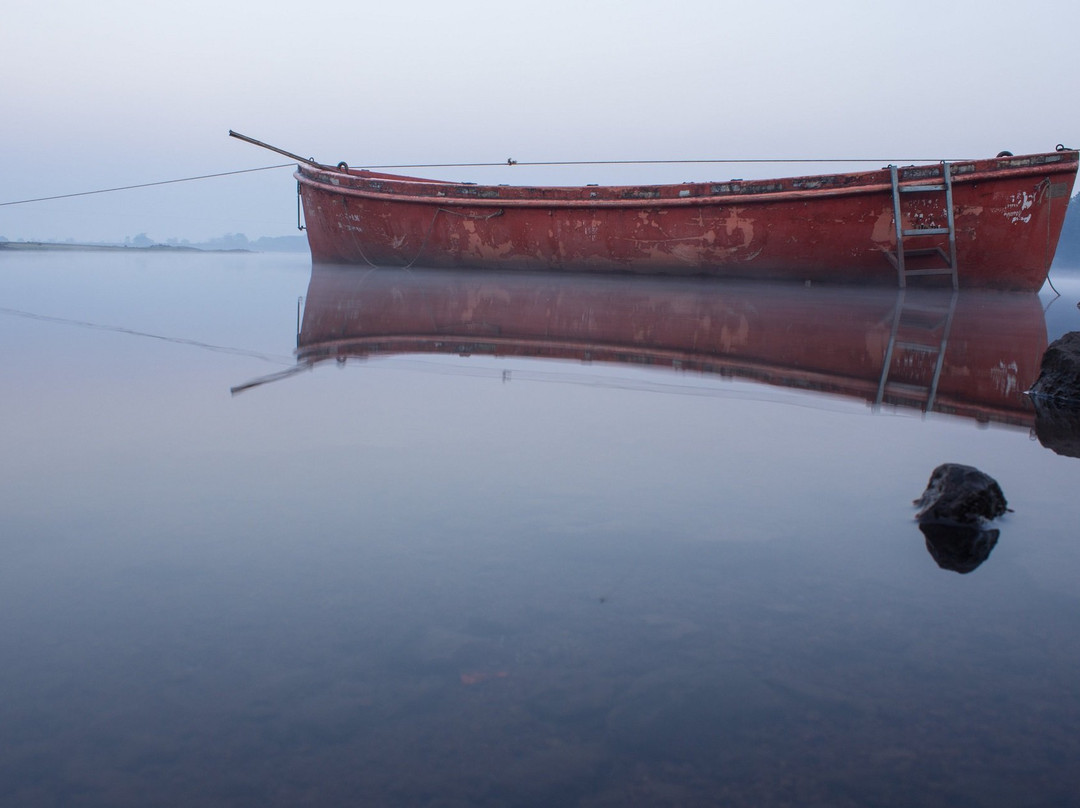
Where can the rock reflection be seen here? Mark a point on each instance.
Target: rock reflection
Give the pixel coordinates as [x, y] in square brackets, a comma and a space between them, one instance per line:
[1057, 426]
[960, 548]
[1056, 397]
[953, 511]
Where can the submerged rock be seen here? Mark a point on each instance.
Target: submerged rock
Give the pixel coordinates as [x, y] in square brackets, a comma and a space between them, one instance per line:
[960, 495]
[959, 548]
[1059, 376]
[952, 510]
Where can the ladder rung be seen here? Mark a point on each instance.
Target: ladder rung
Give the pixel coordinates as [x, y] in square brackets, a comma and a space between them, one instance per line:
[925, 251]
[921, 325]
[925, 318]
[899, 258]
[941, 271]
[909, 253]
[927, 231]
[919, 346]
[901, 387]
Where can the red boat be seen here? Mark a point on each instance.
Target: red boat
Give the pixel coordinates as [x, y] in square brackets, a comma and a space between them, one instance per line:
[990, 223]
[932, 350]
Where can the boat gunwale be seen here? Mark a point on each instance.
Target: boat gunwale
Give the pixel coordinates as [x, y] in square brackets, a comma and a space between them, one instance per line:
[488, 196]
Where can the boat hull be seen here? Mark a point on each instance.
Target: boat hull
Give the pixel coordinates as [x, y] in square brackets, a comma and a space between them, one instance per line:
[1008, 214]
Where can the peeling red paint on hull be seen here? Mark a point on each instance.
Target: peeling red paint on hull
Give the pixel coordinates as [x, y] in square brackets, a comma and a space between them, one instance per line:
[1008, 216]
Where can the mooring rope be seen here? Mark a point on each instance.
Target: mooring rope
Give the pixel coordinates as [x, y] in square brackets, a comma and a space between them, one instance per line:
[508, 162]
[145, 185]
[116, 329]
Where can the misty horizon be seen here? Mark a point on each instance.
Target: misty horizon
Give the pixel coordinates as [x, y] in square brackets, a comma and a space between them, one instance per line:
[227, 241]
[101, 101]
[1068, 251]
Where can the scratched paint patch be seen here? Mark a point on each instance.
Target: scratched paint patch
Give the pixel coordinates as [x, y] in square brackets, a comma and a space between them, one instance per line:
[1006, 377]
[1017, 208]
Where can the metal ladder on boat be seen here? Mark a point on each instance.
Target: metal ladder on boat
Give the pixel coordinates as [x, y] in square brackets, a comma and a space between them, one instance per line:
[899, 258]
[919, 329]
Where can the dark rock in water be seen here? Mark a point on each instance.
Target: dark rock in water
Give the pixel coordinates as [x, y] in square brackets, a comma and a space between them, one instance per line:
[1056, 396]
[1057, 425]
[1059, 376]
[960, 495]
[960, 548]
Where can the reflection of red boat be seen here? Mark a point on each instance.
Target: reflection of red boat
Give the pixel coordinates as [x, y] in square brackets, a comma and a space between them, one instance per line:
[990, 223]
[927, 349]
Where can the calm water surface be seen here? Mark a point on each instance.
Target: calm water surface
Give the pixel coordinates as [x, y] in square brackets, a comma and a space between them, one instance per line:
[527, 575]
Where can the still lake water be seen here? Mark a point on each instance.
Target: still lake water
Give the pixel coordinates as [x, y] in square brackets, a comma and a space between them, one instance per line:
[516, 577]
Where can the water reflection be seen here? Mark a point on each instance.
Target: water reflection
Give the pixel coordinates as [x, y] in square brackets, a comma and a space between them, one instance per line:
[409, 588]
[923, 349]
[960, 548]
[1057, 426]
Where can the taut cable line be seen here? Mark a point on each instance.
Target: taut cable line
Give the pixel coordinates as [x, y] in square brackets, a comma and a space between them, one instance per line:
[44, 318]
[510, 161]
[144, 185]
[503, 164]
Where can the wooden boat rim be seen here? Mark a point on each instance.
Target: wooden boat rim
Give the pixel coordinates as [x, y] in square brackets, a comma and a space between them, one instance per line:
[397, 188]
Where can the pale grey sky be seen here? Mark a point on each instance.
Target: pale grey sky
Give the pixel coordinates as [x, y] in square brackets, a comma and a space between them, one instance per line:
[120, 92]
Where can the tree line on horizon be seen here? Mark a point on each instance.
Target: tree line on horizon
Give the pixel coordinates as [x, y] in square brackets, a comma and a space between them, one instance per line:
[1068, 251]
[229, 241]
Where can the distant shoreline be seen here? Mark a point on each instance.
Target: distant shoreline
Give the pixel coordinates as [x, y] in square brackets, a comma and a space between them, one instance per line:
[36, 246]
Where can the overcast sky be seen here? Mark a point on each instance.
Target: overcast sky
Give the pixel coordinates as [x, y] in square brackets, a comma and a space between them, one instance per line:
[98, 95]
